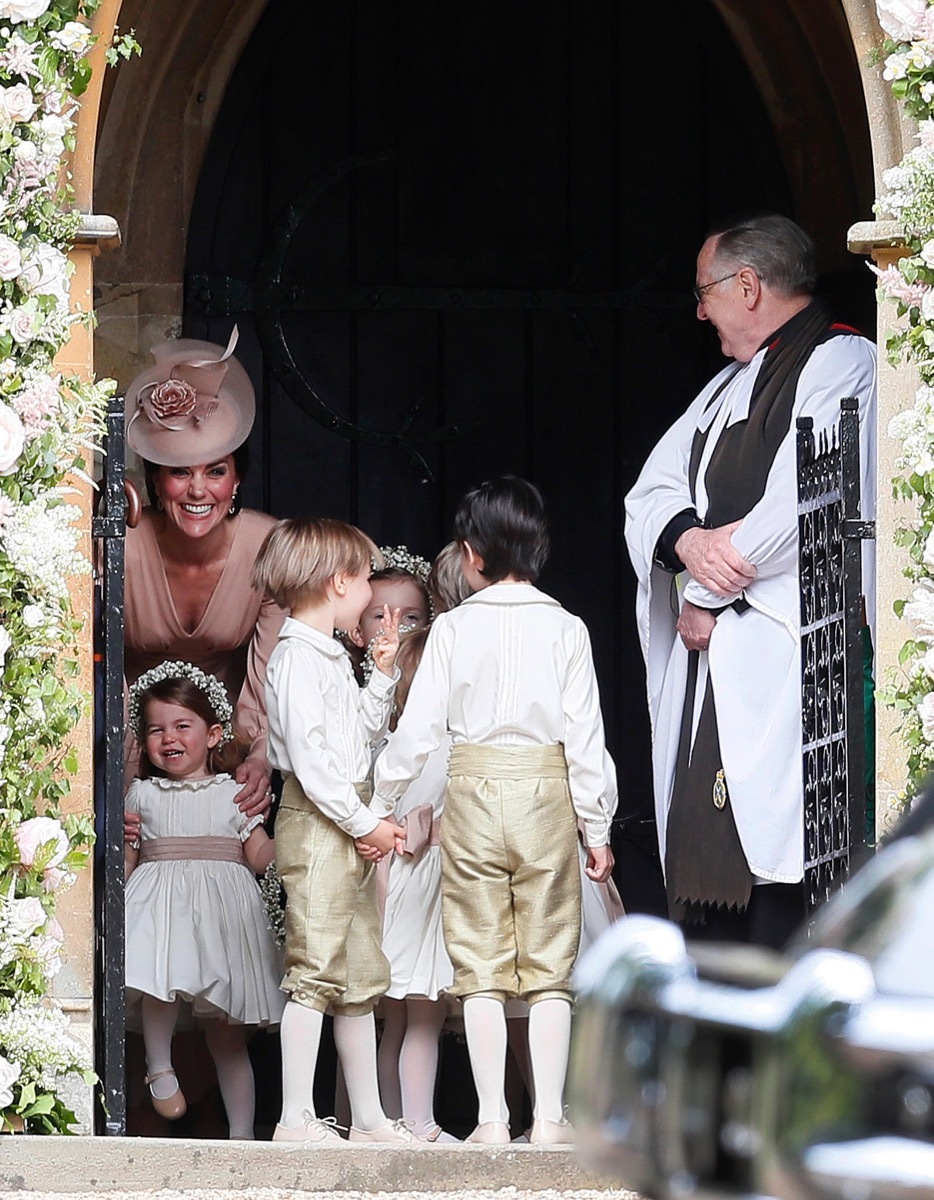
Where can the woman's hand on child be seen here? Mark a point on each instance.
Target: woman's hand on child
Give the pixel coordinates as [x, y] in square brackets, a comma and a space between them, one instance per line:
[131, 827]
[255, 796]
[599, 863]
[386, 642]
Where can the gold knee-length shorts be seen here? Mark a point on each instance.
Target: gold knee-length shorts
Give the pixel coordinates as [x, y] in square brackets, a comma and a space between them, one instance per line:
[333, 956]
[511, 892]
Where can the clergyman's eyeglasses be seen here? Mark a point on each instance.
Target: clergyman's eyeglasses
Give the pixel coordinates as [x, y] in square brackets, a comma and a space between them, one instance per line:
[699, 291]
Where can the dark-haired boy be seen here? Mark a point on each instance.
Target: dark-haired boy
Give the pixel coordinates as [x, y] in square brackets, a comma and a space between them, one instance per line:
[510, 674]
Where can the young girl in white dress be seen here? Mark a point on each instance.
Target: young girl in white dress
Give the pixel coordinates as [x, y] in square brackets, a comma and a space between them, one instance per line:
[414, 1008]
[196, 928]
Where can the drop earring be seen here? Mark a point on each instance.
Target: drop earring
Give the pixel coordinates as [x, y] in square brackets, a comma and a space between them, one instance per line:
[232, 511]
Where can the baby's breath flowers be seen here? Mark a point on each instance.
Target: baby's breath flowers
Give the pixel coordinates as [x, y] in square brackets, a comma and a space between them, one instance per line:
[270, 885]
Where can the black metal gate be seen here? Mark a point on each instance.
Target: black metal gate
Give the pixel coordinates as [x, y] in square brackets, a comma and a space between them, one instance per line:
[832, 655]
[109, 533]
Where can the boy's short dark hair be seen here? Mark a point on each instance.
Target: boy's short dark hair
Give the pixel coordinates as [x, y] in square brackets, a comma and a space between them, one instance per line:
[504, 521]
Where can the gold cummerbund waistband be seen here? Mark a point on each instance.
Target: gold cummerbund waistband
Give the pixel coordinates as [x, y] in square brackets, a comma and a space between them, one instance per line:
[364, 790]
[174, 849]
[508, 762]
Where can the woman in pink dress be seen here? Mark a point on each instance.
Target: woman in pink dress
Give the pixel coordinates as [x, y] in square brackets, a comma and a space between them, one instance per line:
[188, 594]
[188, 560]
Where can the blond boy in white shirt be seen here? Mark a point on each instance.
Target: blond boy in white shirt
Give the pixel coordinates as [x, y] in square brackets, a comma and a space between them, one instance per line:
[321, 726]
[509, 673]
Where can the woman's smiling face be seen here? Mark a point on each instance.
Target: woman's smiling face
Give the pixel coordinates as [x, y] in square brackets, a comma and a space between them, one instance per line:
[197, 499]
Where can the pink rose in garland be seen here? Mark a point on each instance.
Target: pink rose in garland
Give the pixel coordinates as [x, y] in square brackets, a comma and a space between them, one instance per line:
[903, 20]
[12, 438]
[37, 835]
[22, 10]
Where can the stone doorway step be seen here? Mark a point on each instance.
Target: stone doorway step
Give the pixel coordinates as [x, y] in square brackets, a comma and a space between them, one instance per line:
[74, 1165]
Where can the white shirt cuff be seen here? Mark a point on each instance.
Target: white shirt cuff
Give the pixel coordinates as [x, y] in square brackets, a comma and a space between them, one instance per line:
[381, 806]
[360, 824]
[596, 833]
[382, 683]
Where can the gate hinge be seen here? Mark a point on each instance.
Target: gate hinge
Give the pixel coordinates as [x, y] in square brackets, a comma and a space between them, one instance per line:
[108, 527]
[854, 528]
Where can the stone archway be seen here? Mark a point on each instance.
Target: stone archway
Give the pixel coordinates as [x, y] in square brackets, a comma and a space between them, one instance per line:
[157, 115]
[150, 121]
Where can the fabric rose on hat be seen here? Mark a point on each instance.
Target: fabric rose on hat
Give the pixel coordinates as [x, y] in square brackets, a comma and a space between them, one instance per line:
[37, 832]
[22, 10]
[12, 439]
[172, 399]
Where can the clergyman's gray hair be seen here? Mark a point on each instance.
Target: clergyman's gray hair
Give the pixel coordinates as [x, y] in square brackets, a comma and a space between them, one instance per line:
[778, 250]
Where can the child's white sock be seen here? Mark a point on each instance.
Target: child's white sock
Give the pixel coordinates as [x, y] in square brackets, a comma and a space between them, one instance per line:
[418, 1062]
[300, 1034]
[387, 1057]
[355, 1039]
[227, 1044]
[549, 1038]
[159, 1019]
[485, 1026]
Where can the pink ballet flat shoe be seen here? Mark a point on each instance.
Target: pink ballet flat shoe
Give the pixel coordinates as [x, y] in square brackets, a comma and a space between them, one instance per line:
[551, 1133]
[393, 1133]
[491, 1133]
[171, 1107]
[314, 1130]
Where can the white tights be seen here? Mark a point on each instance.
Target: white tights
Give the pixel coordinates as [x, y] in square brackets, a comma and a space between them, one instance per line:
[408, 1059]
[228, 1047]
[485, 1026]
[549, 1038]
[355, 1039]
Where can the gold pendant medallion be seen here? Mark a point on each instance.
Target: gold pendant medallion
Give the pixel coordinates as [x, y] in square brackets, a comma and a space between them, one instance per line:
[719, 791]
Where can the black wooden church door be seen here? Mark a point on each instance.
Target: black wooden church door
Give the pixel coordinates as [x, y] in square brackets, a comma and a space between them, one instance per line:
[458, 239]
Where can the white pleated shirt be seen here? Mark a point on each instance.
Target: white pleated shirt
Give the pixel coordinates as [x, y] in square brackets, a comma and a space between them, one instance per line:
[507, 667]
[322, 725]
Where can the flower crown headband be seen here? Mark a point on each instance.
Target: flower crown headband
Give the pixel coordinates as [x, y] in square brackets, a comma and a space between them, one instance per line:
[402, 558]
[209, 684]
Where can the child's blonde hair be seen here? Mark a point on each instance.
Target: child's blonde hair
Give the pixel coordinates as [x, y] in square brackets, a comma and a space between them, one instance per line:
[411, 648]
[300, 557]
[446, 580]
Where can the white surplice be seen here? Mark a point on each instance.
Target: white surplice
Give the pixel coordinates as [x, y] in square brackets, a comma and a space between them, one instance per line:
[754, 658]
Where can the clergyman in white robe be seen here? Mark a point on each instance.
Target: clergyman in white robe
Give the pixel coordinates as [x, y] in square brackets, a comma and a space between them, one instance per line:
[753, 657]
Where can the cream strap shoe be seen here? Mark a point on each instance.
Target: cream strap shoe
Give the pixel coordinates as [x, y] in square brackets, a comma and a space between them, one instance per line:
[490, 1133]
[551, 1133]
[393, 1133]
[313, 1130]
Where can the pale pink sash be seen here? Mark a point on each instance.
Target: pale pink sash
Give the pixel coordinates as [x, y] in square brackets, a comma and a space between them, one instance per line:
[422, 829]
[174, 849]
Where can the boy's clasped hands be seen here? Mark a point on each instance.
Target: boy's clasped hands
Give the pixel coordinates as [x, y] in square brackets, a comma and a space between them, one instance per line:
[387, 836]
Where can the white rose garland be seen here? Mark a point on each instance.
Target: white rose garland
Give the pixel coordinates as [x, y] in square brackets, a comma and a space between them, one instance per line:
[48, 424]
[908, 197]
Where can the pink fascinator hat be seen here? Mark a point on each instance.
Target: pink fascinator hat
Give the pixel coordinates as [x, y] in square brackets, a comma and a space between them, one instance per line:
[194, 405]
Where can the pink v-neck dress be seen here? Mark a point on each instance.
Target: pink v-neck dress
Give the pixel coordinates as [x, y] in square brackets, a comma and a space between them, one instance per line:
[234, 637]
